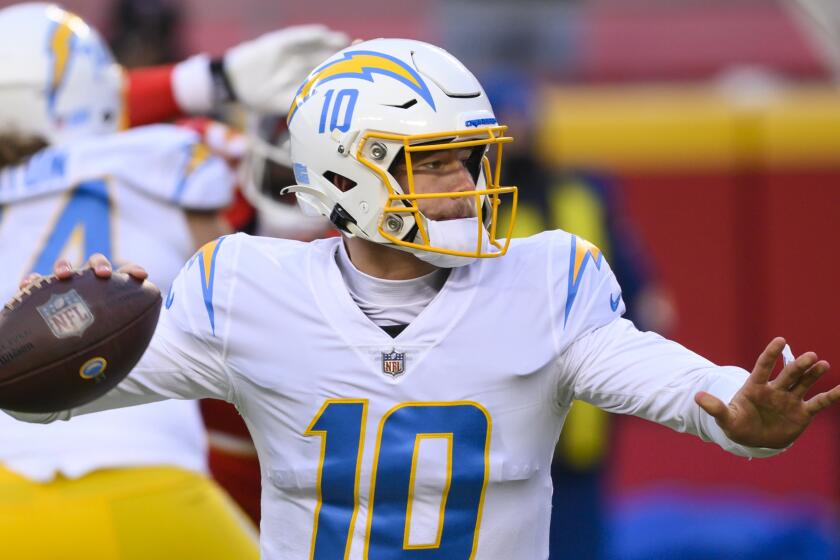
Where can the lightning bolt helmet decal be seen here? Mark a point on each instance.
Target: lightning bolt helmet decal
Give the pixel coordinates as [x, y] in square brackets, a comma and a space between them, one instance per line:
[362, 65]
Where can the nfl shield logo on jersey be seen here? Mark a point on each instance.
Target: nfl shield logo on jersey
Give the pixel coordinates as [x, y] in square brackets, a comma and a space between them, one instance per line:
[66, 314]
[393, 363]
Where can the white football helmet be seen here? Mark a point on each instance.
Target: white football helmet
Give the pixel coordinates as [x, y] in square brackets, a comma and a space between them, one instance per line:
[264, 173]
[59, 80]
[383, 101]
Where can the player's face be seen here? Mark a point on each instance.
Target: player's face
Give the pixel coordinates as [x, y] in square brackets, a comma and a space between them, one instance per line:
[441, 171]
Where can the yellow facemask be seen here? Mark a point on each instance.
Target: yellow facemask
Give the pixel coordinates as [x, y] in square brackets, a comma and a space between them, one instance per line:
[406, 203]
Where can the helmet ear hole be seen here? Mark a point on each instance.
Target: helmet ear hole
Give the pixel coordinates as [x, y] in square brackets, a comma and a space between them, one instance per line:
[343, 183]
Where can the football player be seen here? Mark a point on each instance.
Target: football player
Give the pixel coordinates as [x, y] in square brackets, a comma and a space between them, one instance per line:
[406, 383]
[129, 483]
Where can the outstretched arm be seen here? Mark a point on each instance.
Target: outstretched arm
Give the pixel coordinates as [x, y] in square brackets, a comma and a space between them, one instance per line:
[263, 74]
[772, 413]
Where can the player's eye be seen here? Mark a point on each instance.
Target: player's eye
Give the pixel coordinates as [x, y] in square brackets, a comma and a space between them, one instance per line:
[431, 164]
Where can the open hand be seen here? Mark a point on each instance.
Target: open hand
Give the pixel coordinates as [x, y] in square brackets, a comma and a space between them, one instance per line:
[772, 413]
[101, 267]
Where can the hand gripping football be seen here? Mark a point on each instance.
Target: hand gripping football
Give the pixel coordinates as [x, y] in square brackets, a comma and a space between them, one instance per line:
[66, 343]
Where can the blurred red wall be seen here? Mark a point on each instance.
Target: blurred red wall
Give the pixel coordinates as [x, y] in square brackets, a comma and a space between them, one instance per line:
[744, 262]
[737, 199]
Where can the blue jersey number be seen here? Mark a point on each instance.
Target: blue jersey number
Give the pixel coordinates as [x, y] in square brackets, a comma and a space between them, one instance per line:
[342, 110]
[464, 426]
[86, 219]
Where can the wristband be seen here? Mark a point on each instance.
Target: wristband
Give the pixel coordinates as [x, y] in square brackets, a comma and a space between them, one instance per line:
[222, 88]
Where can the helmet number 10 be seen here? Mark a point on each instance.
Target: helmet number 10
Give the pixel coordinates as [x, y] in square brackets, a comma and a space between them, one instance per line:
[339, 108]
[460, 431]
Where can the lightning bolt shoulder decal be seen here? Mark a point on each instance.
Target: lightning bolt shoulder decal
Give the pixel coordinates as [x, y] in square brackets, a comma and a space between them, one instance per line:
[581, 253]
[197, 154]
[206, 258]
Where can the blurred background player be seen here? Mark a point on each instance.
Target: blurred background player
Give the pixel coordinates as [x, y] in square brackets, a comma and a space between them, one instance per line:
[72, 184]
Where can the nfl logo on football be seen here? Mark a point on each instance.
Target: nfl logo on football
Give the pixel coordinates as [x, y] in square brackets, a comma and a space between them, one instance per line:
[66, 314]
[393, 363]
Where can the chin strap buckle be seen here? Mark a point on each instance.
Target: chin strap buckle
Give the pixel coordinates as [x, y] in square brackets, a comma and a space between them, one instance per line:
[341, 218]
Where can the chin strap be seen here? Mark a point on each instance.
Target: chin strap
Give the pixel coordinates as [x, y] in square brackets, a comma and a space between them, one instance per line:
[337, 215]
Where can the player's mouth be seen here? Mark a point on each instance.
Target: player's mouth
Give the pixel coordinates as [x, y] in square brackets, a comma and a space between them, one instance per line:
[452, 214]
[456, 208]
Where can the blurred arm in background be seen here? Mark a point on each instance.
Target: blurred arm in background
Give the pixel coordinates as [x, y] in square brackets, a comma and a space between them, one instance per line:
[262, 74]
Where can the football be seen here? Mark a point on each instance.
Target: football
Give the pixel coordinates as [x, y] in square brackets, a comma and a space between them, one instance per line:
[65, 343]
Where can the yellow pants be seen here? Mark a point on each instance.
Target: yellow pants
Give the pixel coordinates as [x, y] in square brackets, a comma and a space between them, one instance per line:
[158, 513]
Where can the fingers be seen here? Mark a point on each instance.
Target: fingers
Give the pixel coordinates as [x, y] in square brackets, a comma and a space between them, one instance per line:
[792, 373]
[135, 271]
[103, 269]
[28, 280]
[101, 266]
[823, 400]
[62, 269]
[714, 407]
[98, 262]
[764, 365]
[807, 379]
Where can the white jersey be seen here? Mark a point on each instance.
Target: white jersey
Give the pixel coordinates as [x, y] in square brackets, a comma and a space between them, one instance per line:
[439, 440]
[123, 195]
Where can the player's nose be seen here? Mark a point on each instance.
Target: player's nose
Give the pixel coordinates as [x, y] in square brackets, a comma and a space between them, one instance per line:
[460, 179]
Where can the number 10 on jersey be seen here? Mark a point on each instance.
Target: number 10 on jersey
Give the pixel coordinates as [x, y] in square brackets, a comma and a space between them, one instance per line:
[465, 429]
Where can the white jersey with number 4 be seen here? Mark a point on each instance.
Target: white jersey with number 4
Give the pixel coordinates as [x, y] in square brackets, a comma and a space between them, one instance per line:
[125, 196]
[433, 444]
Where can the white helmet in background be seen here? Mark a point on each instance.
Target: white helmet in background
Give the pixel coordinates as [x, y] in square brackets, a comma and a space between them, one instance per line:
[381, 102]
[265, 171]
[59, 81]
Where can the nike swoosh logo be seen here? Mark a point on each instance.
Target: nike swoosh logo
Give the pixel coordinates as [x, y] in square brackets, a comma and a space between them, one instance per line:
[614, 302]
[169, 299]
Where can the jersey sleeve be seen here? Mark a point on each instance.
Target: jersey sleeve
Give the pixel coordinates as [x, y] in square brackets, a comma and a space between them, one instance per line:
[165, 93]
[583, 291]
[167, 162]
[150, 97]
[623, 370]
[186, 357]
[605, 361]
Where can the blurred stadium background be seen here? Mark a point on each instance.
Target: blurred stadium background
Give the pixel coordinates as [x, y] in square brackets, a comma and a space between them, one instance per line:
[710, 131]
